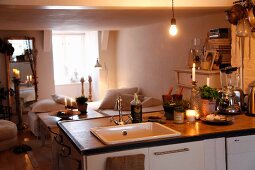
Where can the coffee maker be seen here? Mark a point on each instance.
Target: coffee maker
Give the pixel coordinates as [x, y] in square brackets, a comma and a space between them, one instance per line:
[231, 100]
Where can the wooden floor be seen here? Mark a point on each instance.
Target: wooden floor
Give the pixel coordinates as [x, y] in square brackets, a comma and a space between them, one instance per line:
[23, 161]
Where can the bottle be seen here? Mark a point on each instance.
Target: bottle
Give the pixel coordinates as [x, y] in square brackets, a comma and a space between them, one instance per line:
[136, 109]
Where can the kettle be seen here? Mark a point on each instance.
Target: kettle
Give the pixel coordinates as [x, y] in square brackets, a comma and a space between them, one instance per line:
[251, 99]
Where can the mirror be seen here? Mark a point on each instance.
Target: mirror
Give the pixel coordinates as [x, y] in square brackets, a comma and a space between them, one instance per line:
[24, 60]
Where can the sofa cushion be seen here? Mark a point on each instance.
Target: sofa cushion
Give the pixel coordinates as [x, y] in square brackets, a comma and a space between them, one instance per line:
[47, 105]
[111, 95]
[151, 102]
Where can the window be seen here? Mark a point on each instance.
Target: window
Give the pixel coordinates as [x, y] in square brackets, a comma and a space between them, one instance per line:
[74, 56]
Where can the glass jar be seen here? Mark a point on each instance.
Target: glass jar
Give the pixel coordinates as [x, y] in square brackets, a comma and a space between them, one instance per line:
[179, 115]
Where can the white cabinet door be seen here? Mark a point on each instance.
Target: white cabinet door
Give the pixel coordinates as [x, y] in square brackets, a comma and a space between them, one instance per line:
[215, 157]
[98, 162]
[241, 153]
[184, 156]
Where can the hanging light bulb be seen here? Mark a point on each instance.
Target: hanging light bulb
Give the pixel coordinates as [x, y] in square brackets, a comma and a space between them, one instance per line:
[173, 28]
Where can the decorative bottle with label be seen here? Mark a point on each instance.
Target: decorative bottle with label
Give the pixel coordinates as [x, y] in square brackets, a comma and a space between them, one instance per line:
[136, 109]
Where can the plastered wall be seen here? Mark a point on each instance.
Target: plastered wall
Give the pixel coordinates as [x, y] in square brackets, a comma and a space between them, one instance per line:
[147, 55]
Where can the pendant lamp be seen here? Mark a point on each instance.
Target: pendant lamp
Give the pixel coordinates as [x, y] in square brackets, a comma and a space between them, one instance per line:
[173, 29]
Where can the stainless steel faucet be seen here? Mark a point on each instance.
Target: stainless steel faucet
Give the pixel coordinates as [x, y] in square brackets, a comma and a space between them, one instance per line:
[119, 107]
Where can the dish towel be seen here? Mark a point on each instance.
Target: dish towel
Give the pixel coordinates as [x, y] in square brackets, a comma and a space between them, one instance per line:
[129, 162]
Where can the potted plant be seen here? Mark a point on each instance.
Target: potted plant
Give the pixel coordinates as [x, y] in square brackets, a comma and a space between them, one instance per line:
[208, 96]
[82, 104]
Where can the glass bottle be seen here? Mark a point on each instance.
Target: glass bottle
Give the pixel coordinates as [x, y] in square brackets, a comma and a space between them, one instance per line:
[136, 109]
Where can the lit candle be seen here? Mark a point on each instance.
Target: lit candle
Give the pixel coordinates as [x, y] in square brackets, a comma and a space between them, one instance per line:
[18, 74]
[208, 81]
[14, 72]
[71, 101]
[65, 102]
[191, 115]
[27, 78]
[30, 77]
[197, 115]
[193, 72]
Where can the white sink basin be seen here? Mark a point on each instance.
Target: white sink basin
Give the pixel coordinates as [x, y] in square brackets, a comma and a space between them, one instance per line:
[133, 132]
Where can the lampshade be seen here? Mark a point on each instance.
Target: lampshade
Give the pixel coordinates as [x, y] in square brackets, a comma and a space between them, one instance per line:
[98, 65]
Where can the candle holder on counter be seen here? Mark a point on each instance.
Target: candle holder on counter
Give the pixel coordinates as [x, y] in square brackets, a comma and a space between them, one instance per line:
[195, 99]
[191, 115]
[69, 109]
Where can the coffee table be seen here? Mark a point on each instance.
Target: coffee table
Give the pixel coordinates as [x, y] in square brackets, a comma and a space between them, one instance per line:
[48, 122]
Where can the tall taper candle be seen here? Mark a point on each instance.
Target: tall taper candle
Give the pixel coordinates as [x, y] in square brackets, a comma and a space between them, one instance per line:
[193, 72]
[208, 81]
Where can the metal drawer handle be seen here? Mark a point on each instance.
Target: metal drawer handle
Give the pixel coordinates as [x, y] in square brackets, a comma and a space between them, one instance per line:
[172, 151]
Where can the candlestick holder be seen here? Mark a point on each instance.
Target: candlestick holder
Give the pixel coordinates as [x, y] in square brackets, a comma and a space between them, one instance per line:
[90, 89]
[82, 86]
[195, 98]
[20, 125]
[69, 111]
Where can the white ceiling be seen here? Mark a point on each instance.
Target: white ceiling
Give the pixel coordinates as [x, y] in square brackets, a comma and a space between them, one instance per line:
[32, 18]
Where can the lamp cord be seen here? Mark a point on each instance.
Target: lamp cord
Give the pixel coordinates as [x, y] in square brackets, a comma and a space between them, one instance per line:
[173, 7]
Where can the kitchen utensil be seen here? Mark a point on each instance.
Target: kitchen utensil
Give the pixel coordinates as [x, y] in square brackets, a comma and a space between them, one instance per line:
[243, 28]
[235, 13]
[228, 104]
[251, 99]
[251, 16]
[170, 90]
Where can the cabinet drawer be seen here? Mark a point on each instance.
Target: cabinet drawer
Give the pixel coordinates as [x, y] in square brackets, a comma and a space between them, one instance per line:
[180, 156]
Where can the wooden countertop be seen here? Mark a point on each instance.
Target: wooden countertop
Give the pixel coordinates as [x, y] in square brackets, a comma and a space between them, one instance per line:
[86, 143]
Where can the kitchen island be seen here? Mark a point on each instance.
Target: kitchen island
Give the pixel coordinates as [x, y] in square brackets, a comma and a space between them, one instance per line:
[202, 140]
